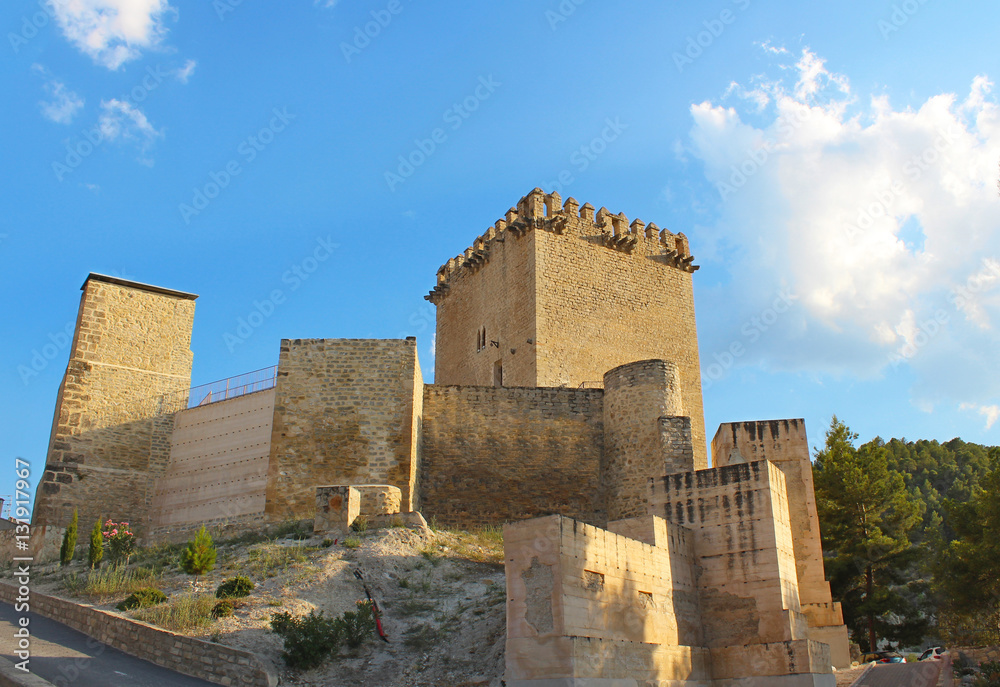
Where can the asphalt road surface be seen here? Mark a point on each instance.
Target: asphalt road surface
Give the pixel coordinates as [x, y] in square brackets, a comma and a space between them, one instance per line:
[65, 657]
[923, 674]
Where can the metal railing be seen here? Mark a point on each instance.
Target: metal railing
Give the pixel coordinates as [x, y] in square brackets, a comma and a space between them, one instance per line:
[233, 387]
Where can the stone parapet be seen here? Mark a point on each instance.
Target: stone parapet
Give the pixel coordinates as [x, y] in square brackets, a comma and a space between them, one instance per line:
[222, 665]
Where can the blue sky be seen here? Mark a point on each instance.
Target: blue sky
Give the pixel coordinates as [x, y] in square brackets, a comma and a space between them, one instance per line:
[834, 166]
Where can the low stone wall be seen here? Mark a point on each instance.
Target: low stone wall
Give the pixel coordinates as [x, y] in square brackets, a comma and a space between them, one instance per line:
[979, 654]
[216, 663]
[12, 677]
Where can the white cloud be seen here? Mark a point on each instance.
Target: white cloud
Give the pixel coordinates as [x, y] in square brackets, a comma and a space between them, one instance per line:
[991, 412]
[883, 221]
[185, 72]
[120, 120]
[112, 32]
[63, 104]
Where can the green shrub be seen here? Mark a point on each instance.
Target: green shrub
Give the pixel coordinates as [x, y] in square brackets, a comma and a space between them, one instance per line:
[358, 625]
[309, 640]
[352, 543]
[96, 551]
[68, 547]
[142, 598]
[327, 543]
[110, 581]
[235, 588]
[360, 524]
[222, 609]
[199, 556]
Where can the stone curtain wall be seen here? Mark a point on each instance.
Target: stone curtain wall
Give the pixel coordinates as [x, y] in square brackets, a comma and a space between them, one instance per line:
[345, 412]
[110, 433]
[569, 293]
[497, 454]
[216, 663]
[218, 463]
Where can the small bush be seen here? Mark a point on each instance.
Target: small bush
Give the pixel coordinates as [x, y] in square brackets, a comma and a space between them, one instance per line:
[181, 614]
[68, 547]
[199, 556]
[352, 543]
[311, 639]
[235, 588]
[327, 543]
[222, 609]
[358, 625]
[110, 581]
[96, 550]
[142, 598]
[360, 524]
[267, 560]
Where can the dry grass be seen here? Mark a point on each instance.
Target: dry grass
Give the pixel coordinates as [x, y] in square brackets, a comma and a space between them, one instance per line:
[110, 582]
[185, 612]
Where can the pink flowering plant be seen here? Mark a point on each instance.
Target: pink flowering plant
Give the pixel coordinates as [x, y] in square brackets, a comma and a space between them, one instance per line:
[120, 540]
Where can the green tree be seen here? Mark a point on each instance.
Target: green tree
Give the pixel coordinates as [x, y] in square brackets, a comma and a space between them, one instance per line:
[966, 570]
[199, 556]
[68, 547]
[866, 514]
[96, 551]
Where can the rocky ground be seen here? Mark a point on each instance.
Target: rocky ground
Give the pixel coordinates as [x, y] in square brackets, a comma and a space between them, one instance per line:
[442, 596]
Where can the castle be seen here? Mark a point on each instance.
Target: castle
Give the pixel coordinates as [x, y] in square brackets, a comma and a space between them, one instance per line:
[567, 401]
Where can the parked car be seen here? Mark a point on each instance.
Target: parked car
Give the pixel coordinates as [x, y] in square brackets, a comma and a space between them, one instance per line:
[884, 657]
[935, 653]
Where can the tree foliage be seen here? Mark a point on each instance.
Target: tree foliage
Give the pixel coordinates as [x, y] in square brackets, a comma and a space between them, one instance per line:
[96, 551]
[68, 547]
[866, 515]
[967, 569]
[199, 556]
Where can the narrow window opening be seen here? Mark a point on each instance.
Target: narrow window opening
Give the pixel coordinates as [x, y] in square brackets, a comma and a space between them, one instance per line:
[498, 373]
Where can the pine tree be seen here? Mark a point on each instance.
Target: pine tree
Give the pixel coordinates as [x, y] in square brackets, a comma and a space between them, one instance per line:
[96, 552]
[866, 514]
[199, 557]
[68, 547]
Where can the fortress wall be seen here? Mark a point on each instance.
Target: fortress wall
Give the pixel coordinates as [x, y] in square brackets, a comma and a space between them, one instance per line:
[584, 602]
[637, 397]
[345, 412]
[218, 462]
[496, 294]
[111, 430]
[743, 543]
[784, 443]
[496, 454]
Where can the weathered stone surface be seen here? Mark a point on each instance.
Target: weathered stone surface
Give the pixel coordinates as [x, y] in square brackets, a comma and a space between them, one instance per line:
[336, 508]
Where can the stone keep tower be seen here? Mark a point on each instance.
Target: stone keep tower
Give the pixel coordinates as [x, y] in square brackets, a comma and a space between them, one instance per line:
[555, 294]
[110, 437]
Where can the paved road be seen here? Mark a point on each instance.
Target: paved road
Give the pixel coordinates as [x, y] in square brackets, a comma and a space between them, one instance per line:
[64, 656]
[924, 674]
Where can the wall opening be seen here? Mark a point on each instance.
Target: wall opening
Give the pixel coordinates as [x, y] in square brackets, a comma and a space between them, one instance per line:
[498, 373]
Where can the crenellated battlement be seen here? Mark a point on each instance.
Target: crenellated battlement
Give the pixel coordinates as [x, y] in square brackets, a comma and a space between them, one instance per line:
[548, 212]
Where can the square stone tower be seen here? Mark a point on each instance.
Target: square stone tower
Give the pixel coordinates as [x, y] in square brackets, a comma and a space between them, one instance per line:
[556, 294]
[110, 438]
